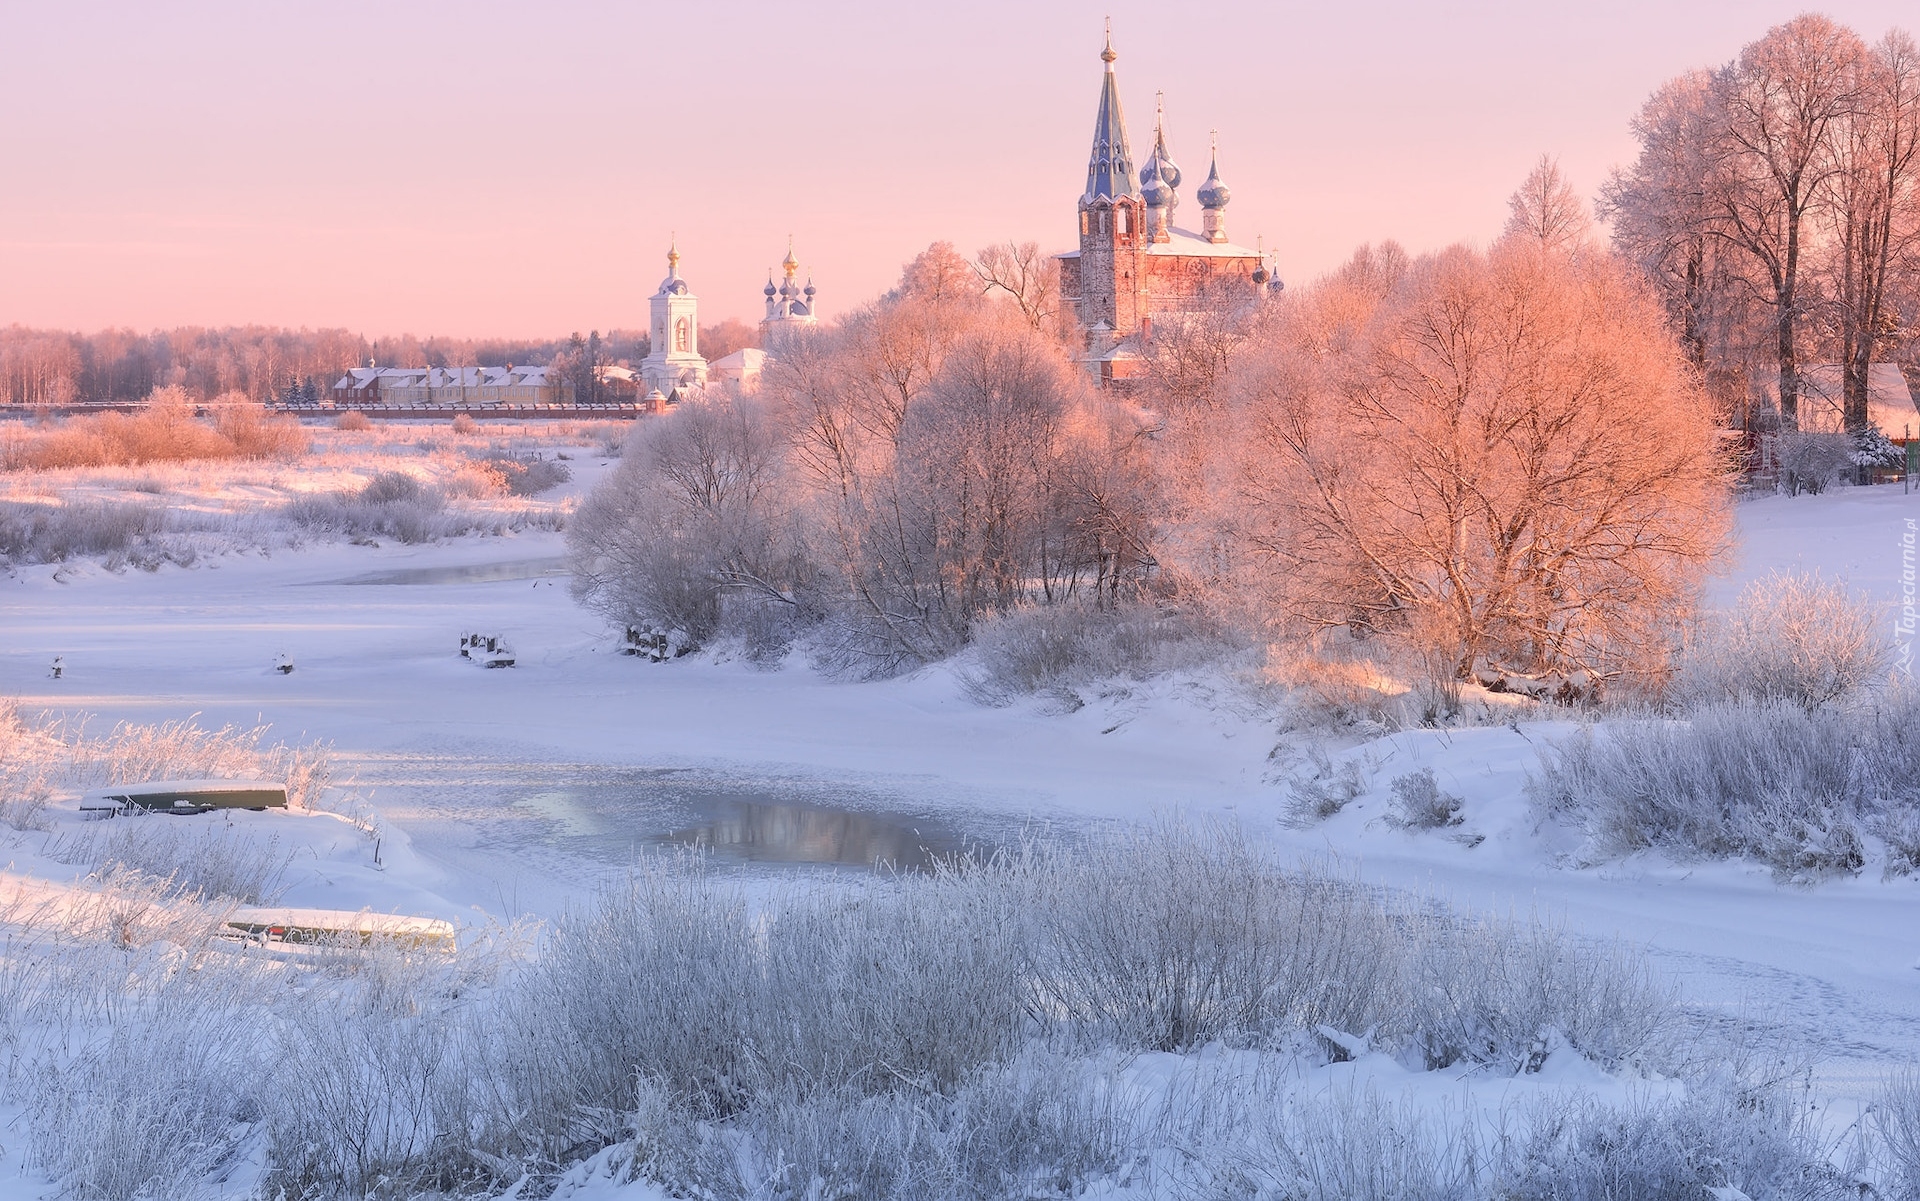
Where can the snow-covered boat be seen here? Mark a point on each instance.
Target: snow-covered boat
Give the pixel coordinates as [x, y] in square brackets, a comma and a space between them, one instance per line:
[268, 924]
[186, 796]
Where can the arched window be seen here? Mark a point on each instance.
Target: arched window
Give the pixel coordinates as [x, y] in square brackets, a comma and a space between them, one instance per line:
[1086, 224]
[1124, 216]
[682, 334]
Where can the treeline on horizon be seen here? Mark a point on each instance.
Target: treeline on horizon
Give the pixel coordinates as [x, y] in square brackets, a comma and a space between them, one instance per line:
[1774, 207]
[40, 367]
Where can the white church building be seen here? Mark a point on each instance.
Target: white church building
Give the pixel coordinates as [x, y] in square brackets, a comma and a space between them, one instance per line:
[675, 368]
[675, 364]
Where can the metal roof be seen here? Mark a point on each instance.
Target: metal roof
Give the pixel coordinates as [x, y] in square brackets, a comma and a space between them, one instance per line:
[1110, 169]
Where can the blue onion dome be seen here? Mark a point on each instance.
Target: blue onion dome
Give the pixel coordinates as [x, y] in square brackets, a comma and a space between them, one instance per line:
[1276, 286]
[770, 289]
[1260, 274]
[1169, 173]
[1213, 194]
[808, 290]
[1154, 189]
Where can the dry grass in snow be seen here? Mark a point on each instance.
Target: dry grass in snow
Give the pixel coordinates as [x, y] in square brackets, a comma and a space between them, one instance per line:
[495, 479]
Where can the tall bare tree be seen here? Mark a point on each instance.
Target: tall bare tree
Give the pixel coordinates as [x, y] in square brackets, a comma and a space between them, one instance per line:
[1662, 207]
[1874, 205]
[1781, 105]
[1028, 276]
[1547, 212]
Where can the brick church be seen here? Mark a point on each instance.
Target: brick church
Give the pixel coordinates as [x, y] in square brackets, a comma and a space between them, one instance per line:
[1135, 266]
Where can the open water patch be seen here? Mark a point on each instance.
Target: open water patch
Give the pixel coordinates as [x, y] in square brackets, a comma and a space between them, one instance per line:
[472, 573]
[610, 817]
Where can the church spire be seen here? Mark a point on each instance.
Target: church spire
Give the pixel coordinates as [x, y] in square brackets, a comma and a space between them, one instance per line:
[1110, 168]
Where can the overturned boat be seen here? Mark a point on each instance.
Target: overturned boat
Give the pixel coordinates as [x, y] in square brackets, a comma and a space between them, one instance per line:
[338, 927]
[186, 796]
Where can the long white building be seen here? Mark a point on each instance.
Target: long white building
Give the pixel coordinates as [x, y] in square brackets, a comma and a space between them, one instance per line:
[363, 387]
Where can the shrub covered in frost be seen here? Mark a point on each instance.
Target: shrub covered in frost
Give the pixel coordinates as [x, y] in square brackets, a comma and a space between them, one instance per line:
[964, 1034]
[396, 505]
[191, 861]
[39, 533]
[1802, 790]
[1056, 649]
[1795, 638]
[1895, 1122]
[1811, 462]
[39, 754]
[1419, 803]
[1325, 790]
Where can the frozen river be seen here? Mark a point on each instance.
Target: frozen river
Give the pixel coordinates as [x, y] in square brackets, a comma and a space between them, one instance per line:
[521, 791]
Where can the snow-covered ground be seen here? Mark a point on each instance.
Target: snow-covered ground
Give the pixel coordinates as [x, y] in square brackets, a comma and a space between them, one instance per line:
[518, 790]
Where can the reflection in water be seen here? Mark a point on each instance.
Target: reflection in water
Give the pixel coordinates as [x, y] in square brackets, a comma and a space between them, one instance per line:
[575, 819]
[801, 834]
[473, 573]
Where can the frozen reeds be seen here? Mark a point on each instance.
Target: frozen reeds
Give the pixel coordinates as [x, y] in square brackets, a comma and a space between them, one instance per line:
[1145, 1009]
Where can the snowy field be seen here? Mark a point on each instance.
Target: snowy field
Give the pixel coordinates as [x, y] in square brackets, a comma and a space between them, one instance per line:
[519, 792]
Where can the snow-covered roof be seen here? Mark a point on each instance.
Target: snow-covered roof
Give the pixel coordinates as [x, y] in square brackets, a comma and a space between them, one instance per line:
[1186, 242]
[1126, 349]
[359, 379]
[750, 359]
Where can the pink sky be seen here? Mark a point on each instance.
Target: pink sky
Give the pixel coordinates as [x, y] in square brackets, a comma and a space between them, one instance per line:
[472, 168]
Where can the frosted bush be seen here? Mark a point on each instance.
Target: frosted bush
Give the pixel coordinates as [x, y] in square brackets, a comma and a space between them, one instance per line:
[1341, 1145]
[29, 754]
[396, 505]
[352, 1100]
[1325, 791]
[1811, 462]
[1036, 1127]
[1789, 637]
[1512, 994]
[529, 476]
[1895, 1125]
[39, 533]
[1801, 790]
[1419, 803]
[1171, 938]
[154, 1104]
[1710, 1144]
[41, 754]
[1056, 649]
[192, 861]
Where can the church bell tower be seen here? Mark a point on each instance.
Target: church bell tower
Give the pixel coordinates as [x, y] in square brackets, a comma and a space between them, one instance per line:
[1111, 277]
[674, 363]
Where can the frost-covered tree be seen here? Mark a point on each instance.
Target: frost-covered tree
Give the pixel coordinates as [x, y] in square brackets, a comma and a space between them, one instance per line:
[697, 511]
[1781, 106]
[1873, 210]
[1498, 457]
[1546, 212]
[1028, 277]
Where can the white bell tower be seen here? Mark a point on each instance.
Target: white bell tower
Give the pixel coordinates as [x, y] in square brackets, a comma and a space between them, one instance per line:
[674, 364]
